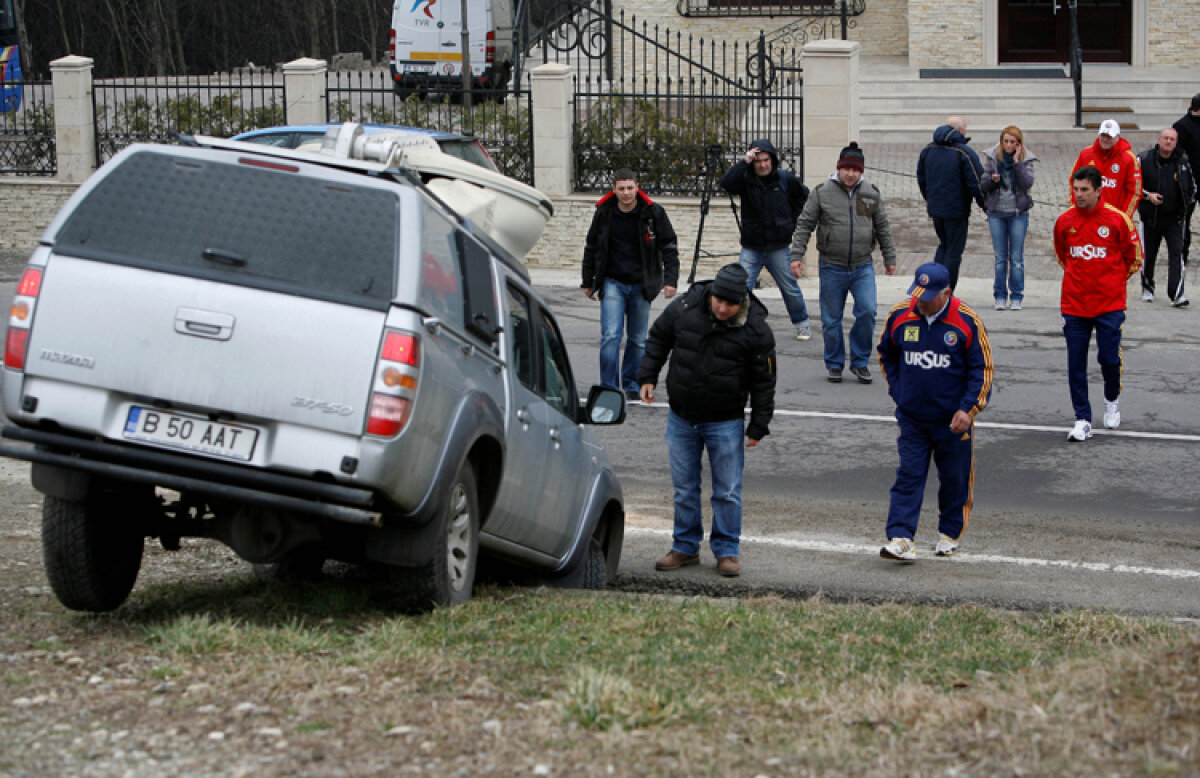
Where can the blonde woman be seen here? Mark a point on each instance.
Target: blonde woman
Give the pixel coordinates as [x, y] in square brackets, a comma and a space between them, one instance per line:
[1005, 182]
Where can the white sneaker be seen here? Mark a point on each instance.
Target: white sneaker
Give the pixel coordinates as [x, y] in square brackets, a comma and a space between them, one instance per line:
[1147, 296]
[1015, 305]
[1181, 302]
[1082, 431]
[901, 549]
[1112, 414]
[946, 546]
[803, 331]
[1000, 306]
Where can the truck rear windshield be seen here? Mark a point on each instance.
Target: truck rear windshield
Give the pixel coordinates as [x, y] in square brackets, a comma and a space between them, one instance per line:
[251, 225]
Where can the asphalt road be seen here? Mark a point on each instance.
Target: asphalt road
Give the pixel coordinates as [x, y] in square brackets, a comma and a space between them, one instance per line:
[1112, 523]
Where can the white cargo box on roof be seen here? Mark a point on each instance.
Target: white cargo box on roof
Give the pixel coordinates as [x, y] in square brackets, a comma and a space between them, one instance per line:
[510, 212]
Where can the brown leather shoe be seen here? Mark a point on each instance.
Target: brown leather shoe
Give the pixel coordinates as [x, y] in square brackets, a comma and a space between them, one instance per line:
[729, 566]
[675, 560]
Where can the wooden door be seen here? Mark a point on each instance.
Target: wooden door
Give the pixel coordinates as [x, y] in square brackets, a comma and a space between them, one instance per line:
[1040, 30]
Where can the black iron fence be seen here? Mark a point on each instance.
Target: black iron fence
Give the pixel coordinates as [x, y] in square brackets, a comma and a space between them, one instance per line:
[655, 101]
[502, 121]
[150, 109]
[27, 145]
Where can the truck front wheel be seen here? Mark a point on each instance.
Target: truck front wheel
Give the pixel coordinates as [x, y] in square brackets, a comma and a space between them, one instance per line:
[91, 550]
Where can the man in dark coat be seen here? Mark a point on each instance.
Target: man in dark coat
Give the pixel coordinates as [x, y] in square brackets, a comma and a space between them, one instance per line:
[630, 254]
[948, 174]
[1168, 192]
[1188, 127]
[722, 351]
[772, 200]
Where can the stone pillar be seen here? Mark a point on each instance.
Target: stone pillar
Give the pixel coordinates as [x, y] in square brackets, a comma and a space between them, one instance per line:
[831, 113]
[74, 123]
[304, 82]
[552, 129]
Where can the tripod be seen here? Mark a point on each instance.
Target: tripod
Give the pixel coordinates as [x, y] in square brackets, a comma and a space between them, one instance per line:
[712, 168]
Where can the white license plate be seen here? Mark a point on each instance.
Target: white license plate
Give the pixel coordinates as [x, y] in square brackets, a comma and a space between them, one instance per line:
[190, 433]
[418, 68]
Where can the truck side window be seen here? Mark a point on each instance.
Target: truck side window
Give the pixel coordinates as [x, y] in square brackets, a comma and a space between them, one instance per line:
[520, 339]
[559, 391]
[480, 312]
[441, 286]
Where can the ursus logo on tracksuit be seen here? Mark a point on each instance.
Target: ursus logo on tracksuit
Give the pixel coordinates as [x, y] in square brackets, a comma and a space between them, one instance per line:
[926, 360]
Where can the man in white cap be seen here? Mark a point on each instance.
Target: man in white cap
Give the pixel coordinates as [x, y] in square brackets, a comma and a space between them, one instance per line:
[1119, 169]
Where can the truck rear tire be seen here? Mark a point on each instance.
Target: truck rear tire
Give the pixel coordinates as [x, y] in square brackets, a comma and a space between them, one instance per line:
[92, 552]
[448, 578]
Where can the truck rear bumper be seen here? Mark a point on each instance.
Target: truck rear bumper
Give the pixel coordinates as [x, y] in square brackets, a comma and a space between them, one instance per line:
[172, 471]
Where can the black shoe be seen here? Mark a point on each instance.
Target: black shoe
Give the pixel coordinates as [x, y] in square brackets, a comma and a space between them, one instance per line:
[863, 374]
[835, 375]
[633, 397]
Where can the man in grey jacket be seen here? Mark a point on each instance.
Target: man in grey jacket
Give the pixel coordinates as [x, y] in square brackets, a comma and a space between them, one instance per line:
[848, 215]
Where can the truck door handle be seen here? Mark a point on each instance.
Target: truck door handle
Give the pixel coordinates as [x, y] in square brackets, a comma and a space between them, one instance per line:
[555, 435]
[523, 416]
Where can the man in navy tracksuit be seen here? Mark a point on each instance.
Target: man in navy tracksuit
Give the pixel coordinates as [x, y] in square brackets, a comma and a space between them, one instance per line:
[936, 357]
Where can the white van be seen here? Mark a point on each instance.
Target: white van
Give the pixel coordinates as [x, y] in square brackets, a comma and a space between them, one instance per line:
[426, 44]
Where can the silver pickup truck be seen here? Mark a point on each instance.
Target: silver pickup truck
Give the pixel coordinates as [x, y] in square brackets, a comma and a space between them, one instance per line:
[305, 357]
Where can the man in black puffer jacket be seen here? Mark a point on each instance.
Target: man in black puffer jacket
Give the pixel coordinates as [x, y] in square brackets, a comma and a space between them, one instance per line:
[722, 351]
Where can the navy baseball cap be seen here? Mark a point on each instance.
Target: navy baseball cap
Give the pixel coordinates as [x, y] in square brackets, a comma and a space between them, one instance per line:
[929, 281]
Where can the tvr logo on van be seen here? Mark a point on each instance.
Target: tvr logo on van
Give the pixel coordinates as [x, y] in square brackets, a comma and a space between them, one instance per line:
[429, 5]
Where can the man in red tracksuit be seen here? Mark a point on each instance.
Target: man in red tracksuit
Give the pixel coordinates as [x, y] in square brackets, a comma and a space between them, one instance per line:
[1120, 171]
[1099, 250]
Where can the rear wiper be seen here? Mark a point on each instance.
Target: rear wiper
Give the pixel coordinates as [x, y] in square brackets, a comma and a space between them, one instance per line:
[224, 257]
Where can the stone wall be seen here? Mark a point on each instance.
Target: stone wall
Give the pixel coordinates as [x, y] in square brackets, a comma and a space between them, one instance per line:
[1173, 29]
[945, 34]
[561, 246]
[27, 206]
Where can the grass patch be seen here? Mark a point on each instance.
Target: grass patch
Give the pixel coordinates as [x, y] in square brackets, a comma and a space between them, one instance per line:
[662, 686]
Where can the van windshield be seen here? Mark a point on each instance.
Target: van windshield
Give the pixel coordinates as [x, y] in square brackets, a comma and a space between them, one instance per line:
[241, 223]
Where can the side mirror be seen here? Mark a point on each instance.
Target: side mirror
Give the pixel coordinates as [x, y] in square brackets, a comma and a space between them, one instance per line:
[604, 406]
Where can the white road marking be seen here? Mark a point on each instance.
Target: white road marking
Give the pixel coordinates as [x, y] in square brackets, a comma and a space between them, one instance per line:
[959, 558]
[982, 424]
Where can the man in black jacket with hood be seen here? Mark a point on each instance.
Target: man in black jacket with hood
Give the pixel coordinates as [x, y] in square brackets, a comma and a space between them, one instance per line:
[630, 255]
[772, 200]
[1168, 191]
[722, 351]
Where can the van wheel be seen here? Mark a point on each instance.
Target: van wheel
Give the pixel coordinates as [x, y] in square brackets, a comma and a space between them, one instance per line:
[447, 579]
[92, 552]
[595, 572]
[300, 564]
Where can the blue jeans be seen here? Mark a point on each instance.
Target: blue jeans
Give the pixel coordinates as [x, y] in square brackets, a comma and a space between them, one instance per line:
[1008, 243]
[778, 263]
[1078, 332]
[836, 281]
[726, 457]
[952, 239]
[622, 306]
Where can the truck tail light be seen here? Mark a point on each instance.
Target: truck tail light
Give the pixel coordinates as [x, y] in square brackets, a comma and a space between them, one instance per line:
[397, 376]
[489, 53]
[20, 318]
